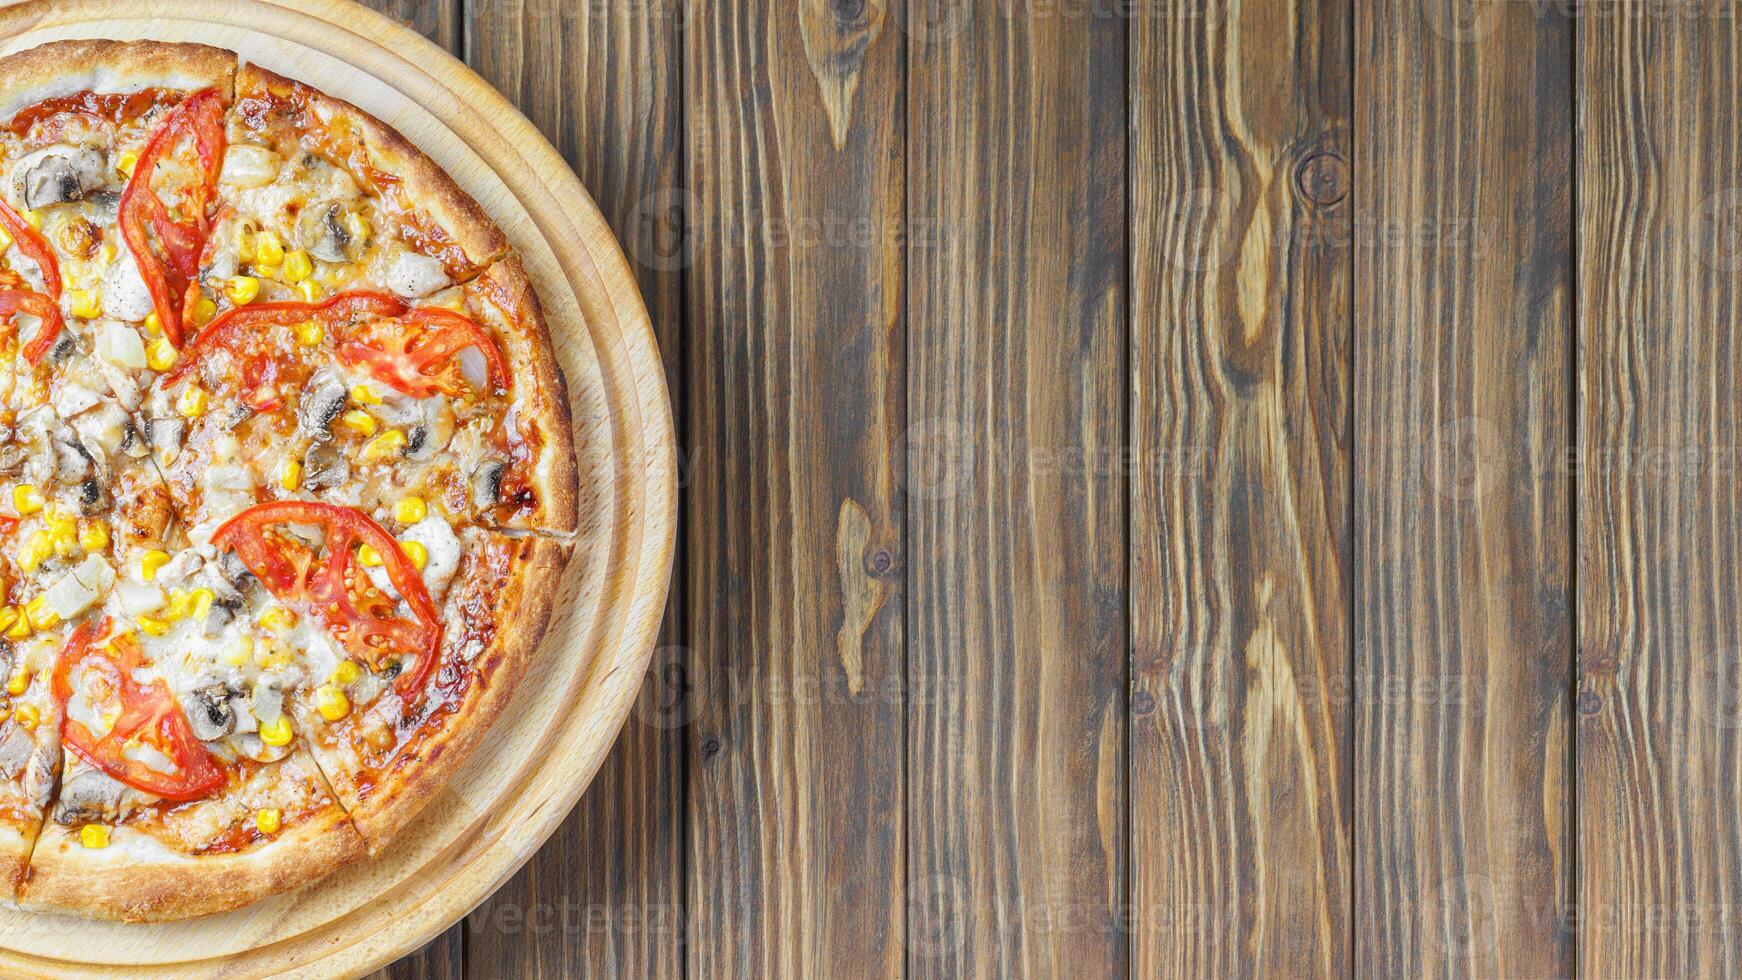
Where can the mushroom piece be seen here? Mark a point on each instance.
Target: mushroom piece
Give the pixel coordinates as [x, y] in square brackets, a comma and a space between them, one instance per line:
[74, 463]
[235, 574]
[209, 712]
[324, 466]
[487, 483]
[15, 750]
[91, 796]
[321, 229]
[222, 615]
[322, 401]
[59, 173]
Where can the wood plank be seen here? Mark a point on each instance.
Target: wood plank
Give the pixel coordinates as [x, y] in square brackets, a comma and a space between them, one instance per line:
[1240, 425]
[795, 344]
[1016, 501]
[1660, 619]
[1463, 641]
[438, 20]
[604, 897]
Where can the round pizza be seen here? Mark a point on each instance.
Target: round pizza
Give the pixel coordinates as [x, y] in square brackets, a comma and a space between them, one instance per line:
[287, 478]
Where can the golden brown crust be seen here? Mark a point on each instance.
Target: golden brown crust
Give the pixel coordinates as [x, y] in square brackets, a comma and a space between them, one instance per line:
[521, 608]
[159, 886]
[541, 392]
[69, 67]
[425, 183]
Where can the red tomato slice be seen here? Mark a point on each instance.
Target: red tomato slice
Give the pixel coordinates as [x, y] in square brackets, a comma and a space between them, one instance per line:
[334, 587]
[37, 305]
[418, 354]
[149, 714]
[31, 242]
[170, 278]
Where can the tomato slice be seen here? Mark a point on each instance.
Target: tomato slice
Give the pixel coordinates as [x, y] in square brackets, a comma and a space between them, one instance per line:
[418, 354]
[37, 305]
[148, 715]
[142, 212]
[31, 242]
[334, 587]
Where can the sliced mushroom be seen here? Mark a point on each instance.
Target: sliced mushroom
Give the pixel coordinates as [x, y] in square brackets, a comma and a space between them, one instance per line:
[322, 401]
[235, 574]
[74, 463]
[324, 466]
[58, 173]
[11, 459]
[222, 615]
[133, 443]
[16, 747]
[209, 712]
[165, 433]
[321, 229]
[487, 484]
[90, 796]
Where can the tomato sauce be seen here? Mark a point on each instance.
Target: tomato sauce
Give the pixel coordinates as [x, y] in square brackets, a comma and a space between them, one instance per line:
[110, 107]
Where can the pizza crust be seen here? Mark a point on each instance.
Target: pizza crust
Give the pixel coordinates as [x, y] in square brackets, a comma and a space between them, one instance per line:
[136, 879]
[62, 68]
[427, 185]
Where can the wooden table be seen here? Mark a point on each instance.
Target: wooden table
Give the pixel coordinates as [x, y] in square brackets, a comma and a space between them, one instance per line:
[1172, 488]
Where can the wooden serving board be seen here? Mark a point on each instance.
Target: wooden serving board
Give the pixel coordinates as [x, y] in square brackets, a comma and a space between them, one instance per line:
[543, 753]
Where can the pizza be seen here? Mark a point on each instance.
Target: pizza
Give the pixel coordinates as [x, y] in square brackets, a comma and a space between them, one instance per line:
[287, 478]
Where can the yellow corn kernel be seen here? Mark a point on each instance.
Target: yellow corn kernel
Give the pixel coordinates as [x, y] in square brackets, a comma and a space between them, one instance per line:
[308, 291]
[241, 653]
[271, 655]
[244, 243]
[410, 510]
[297, 266]
[28, 716]
[277, 618]
[242, 289]
[204, 310]
[368, 556]
[276, 732]
[19, 628]
[41, 617]
[5, 713]
[290, 474]
[331, 702]
[64, 532]
[357, 225]
[416, 552]
[200, 602]
[154, 324]
[26, 499]
[193, 401]
[359, 421]
[150, 562]
[364, 395]
[268, 249]
[94, 536]
[154, 625]
[8, 617]
[180, 602]
[346, 673]
[85, 303]
[161, 355]
[310, 333]
[94, 836]
[384, 446]
[32, 217]
[268, 821]
[35, 551]
[18, 683]
[127, 161]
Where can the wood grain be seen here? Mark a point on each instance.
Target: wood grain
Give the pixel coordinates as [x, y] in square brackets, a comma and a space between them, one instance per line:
[1660, 429]
[795, 341]
[1016, 496]
[1240, 427]
[1463, 855]
[604, 897]
[438, 20]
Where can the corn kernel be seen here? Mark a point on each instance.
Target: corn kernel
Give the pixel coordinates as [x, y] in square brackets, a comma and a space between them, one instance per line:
[369, 556]
[242, 289]
[94, 536]
[310, 333]
[357, 225]
[5, 240]
[180, 602]
[64, 532]
[268, 249]
[193, 401]
[28, 716]
[200, 602]
[362, 394]
[85, 303]
[26, 499]
[268, 821]
[154, 324]
[127, 161]
[94, 836]
[346, 673]
[290, 474]
[308, 291]
[359, 421]
[41, 617]
[161, 355]
[276, 732]
[154, 625]
[332, 702]
[8, 617]
[277, 618]
[384, 446]
[271, 655]
[36, 550]
[410, 510]
[5, 713]
[19, 628]
[204, 310]
[244, 243]
[297, 266]
[32, 217]
[241, 653]
[416, 552]
[150, 562]
[18, 683]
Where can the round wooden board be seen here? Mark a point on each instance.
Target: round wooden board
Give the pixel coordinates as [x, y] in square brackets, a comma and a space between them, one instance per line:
[540, 757]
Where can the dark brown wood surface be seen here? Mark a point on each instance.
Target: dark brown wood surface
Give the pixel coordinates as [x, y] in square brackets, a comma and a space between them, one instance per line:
[1188, 489]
